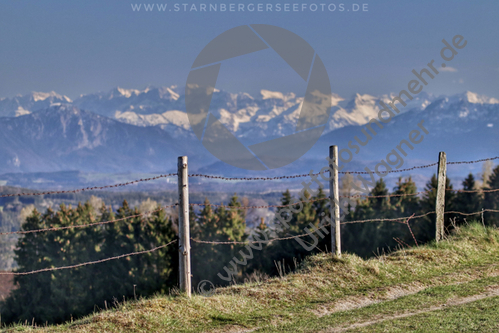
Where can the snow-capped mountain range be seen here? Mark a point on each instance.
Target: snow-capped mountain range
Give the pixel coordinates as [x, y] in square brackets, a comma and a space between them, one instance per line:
[269, 115]
[128, 130]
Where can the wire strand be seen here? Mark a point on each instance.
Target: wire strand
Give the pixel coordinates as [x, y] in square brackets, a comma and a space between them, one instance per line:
[87, 263]
[473, 191]
[88, 188]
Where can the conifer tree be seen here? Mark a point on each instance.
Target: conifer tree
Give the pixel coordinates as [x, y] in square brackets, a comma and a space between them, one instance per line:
[204, 256]
[405, 204]
[468, 202]
[296, 218]
[364, 238]
[27, 299]
[225, 224]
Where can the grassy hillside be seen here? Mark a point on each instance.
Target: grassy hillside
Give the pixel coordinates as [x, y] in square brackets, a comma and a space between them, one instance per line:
[444, 287]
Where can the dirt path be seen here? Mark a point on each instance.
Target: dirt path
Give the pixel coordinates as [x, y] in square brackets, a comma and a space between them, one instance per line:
[391, 293]
[356, 302]
[491, 292]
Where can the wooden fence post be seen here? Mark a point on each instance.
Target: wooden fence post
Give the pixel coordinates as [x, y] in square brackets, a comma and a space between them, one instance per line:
[183, 226]
[334, 200]
[440, 201]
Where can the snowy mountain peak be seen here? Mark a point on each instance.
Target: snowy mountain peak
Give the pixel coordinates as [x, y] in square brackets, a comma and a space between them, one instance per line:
[361, 101]
[123, 92]
[41, 96]
[266, 94]
[365, 98]
[475, 98]
[335, 99]
[168, 93]
[465, 98]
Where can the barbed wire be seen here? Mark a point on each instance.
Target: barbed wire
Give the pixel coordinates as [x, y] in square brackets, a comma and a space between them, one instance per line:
[232, 207]
[406, 218]
[391, 171]
[311, 200]
[231, 178]
[474, 213]
[85, 225]
[257, 207]
[388, 219]
[89, 188]
[410, 230]
[252, 242]
[386, 195]
[473, 191]
[248, 178]
[307, 234]
[342, 172]
[476, 161]
[305, 175]
[88, 263]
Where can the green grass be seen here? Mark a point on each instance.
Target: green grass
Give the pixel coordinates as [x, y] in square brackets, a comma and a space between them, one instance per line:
[305, 301]
[479, 316]
[426, 299]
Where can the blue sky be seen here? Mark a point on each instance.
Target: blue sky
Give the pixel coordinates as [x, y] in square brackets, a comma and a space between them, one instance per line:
[75, 47]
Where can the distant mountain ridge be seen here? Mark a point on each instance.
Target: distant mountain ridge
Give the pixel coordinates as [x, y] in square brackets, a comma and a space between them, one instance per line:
[270, 115]
[62, 136]
[21, 105]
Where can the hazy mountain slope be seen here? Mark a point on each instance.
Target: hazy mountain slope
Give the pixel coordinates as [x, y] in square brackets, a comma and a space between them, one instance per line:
[66, 138]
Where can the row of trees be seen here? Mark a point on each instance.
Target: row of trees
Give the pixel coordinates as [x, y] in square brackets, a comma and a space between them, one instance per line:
[56, 296]
[59, 295]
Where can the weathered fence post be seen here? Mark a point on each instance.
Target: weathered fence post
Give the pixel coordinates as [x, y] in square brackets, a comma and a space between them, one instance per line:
[183, 227]
[440, 201]
[334, 199]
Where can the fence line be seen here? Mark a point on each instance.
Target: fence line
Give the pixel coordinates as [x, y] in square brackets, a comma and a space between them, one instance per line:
[229, 178]
[397, 219]
[476, 161]
[87, 263]
[474, 213]
[252, 242]
[439, 210]
[406, 218]
[311, 200]
[89, 188]
[473, 191]
[251, 207]
[341, 196]
[385, 196]
[389, 219]
[342, 172]
[308, 234]
[243, 207]
[305, 175]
